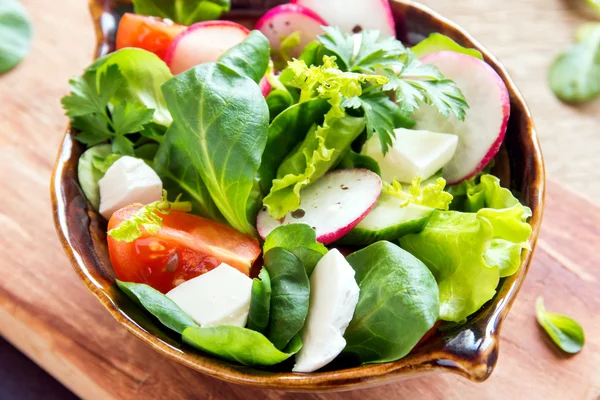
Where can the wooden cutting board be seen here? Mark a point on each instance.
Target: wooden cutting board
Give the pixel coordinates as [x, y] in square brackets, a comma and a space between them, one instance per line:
[48, 314]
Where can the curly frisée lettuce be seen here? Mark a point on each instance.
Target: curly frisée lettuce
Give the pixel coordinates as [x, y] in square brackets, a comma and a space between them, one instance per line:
[468, 252]
[148, 218]
[431, 195]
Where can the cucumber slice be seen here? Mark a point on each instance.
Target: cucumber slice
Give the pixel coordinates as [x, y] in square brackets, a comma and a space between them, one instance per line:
[388, 220]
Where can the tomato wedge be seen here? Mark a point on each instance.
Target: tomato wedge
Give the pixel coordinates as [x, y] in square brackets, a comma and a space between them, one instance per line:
[148, 33]
[186, 246]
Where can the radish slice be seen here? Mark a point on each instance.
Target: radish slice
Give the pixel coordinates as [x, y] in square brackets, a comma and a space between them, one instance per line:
[283, 20]
[482, 132]
[353, 16]
[332, 206]
[203, 42]
[265, 87]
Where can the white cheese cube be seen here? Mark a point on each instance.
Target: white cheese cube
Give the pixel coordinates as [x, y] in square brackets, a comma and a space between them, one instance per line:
[129, 180]
[412, 153]
[218, 297]
[333, 298]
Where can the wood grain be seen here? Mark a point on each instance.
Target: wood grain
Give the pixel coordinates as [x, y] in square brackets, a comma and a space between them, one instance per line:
[47, 313]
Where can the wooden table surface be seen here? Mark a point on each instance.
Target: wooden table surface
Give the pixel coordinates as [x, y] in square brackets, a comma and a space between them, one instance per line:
[48, 314]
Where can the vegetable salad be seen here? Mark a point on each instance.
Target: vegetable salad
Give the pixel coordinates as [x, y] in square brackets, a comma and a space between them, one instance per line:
[310, 190]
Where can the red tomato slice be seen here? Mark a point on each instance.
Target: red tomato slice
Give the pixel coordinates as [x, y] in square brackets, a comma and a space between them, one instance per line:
[186, 246]
[148, 33]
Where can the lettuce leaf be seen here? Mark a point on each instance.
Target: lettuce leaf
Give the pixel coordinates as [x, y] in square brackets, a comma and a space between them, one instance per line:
[469, 251]
[431, 195]
[438, 42]
[320, 151]
[453, 245]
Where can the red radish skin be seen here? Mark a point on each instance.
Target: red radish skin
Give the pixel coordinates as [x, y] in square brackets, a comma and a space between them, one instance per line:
[203, 42]
[332, 206]
[265, 87]
[335, 13]
[486, 121]
[286, 19]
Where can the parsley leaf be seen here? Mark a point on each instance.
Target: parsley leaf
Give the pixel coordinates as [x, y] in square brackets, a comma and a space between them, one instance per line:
[148, 217]
[416, 82]
[91, 109]
[364, 52]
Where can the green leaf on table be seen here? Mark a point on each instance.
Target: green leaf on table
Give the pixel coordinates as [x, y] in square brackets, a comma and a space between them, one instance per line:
[260, 302]
[16, 33]
[159, 305]
[250, 57]
[398, 303]
[575, 74]
[241, 345]
[564, 331]
[290, 291]
[222, 120]
[438, 42]
[173, 163]
[185, 12]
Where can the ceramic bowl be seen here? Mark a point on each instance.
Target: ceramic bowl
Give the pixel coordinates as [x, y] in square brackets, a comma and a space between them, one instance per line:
[470, 350]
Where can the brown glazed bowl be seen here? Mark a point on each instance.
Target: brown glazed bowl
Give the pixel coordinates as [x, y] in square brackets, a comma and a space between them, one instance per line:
[470, 349]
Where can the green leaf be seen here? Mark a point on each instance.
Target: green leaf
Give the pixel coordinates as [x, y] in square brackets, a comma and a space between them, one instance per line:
[431, 195]
[453, 246]
[417, 83]
[398, 303]
[250, 57]
[382, 116]
[185, 12]
[122, 145]
[147, 218]
[575, 74]
[144, 73]
[287, 47]
[285, 132]
[290, 290]
[89, 174]
[173, 164]
[437, 42]
[278, 101]
[236, 344]
[321, 150]
[301, 240]
[130, 117]
[354, 160]
[223, 122]
[157, 304]
[564, 331]
[374, 49]
[260, 302]
[16, 33]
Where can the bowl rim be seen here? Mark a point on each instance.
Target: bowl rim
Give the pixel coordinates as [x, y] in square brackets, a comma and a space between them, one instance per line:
[476, 367]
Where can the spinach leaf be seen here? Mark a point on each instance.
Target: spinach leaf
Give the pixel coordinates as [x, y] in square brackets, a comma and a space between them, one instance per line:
[453, 246]
[437, 42]
[173, 163]
[355, 160]
[250, 57]
[398, 303]
[89, 175]
[564, 331]
[290, 291]
[185, 12]
[222, 119]
[286, 131]
[320, 151]
[278, 101]
[575, 74]
[237, 344]
[158, 305]
[260, 302]
[301, 240]
[16, 33]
